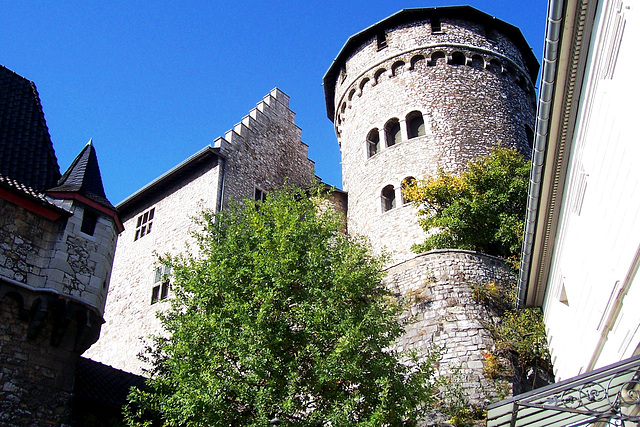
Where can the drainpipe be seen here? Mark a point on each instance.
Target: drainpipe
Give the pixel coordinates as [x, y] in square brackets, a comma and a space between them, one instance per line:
[221, 183]
[547, 82]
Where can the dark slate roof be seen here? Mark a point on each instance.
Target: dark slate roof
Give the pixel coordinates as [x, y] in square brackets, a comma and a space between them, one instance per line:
[26, 150]
[103, 385]
[412, 15]
[83, 177]
[30, 193]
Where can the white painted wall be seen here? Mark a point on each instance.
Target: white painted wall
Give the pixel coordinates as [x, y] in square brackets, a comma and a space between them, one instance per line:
[596, 252]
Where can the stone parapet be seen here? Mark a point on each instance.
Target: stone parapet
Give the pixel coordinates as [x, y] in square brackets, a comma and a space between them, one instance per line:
[441, 312]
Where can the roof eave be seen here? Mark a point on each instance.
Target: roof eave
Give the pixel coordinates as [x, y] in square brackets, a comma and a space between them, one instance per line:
[167, 177]
[560, 88]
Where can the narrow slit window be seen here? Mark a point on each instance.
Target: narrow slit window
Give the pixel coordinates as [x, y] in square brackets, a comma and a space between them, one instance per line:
[530, 135]
[436, 25]
[382, 40]
[259, 195]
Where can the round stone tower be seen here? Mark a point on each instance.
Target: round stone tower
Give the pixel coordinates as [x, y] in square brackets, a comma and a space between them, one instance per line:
[421, 90]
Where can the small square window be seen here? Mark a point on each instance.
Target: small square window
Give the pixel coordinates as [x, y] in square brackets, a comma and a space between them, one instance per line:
[259, 195]
[89, 221]
[144, 224]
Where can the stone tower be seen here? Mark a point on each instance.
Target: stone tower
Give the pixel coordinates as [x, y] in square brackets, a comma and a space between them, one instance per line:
[57, 240]
[422, 90]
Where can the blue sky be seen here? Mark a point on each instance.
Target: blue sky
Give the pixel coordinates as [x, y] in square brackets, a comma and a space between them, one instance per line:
[154, 82]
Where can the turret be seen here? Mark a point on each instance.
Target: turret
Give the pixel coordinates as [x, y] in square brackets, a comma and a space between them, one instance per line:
[422, 90]
[57, 241]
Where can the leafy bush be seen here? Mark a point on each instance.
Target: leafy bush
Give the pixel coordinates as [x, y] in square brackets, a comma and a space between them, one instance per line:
[482, 209]
[280, 316]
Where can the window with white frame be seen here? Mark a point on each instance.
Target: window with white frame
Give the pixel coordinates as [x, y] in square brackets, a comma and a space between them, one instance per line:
[160, 289]
[144, 224]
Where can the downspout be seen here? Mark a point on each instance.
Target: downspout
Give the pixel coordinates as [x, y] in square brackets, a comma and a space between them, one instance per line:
[547, 82]
[223, 166]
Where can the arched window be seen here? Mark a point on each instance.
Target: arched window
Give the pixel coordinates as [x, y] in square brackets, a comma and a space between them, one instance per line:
[392, 132]
[495, 66]
[353, 92]
[477, 61]
[458, 58]
[388, 198]
[407, 182]
[363, 83]
[415, 124]
[373, 142]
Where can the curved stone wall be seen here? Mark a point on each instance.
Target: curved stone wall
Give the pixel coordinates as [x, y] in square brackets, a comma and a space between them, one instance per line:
[472, 90]
[437, 287]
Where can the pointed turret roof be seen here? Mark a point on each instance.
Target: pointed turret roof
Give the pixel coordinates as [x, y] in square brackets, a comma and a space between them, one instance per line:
[83, 177]
[26, 150]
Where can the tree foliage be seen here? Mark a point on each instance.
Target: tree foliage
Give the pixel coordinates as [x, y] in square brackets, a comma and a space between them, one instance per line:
[520, 332]
[280, 316]
[482, 209]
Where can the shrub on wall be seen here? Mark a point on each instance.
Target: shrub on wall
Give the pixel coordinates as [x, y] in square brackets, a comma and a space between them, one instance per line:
[482, 209]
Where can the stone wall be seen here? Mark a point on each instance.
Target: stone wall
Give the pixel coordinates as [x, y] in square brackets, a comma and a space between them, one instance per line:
[56, 254]
[263, 151]
[52, 284]
[437, 287]
[35, 384]
[41, 339]
[26, 242]
[130, 314]
[476, 95]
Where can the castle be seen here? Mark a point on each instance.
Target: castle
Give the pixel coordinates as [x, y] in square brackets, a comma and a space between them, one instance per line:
[421, 90]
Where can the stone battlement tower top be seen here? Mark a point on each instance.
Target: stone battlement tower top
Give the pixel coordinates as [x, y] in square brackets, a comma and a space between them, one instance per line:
[422, 90]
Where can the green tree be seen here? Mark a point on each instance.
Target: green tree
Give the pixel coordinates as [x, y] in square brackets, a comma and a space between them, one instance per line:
[280, 316]
[482, 209]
